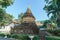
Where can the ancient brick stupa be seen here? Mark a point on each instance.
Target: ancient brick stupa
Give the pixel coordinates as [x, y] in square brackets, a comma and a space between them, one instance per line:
[28, 26]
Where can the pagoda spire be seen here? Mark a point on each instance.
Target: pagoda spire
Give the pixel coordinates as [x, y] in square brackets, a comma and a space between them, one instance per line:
[28, 9]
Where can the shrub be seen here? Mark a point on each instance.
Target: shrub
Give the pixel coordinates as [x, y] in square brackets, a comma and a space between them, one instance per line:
[15, 36]
[36, 38]
[2, 35]
[20, 36]
[52, 38]
[54, 32]
[24, 37]
[9, 36]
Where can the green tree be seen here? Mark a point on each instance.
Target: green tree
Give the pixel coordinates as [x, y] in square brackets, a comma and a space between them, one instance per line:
[7, 19]
[2, 15]
[20, 17]
[46, 22]
[5, 3]
[53, 6]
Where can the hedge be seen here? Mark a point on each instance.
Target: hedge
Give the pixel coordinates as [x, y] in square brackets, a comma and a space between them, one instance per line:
[52, 38]
[20, 36]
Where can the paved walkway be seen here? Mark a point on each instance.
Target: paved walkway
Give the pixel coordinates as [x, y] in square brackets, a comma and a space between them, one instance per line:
[1, 38]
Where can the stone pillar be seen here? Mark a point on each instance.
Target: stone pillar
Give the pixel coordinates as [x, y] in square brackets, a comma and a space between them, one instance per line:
[42, 34]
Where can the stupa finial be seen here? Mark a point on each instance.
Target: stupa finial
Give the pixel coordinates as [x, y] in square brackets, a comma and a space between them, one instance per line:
[28, 4]
[28, 9]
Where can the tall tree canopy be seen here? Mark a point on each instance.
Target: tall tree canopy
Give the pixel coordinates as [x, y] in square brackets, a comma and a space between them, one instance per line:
[4, 17]
[53, 6]
[5, 3]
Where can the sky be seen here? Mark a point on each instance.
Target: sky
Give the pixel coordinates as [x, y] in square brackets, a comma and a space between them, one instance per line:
[36, 6]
